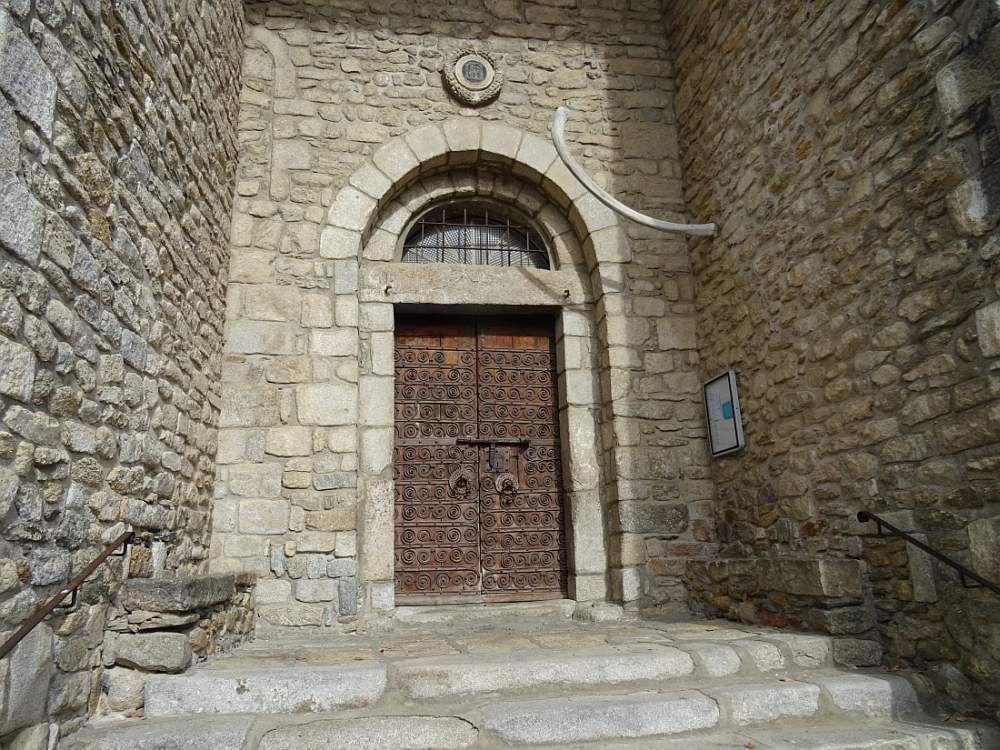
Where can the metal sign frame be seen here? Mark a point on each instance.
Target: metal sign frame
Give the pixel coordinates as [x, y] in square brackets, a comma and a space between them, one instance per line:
[722, 392]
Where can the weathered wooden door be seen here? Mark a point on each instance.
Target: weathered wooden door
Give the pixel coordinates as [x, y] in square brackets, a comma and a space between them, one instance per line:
[479, 512]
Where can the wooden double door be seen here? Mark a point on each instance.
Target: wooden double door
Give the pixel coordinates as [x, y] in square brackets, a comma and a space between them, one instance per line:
[479, 506]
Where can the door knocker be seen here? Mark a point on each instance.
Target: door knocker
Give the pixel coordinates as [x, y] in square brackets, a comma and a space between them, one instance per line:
[461, 481]
[506, 483]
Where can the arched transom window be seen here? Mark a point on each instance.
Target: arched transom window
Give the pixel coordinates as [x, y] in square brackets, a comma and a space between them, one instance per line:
[474, 233]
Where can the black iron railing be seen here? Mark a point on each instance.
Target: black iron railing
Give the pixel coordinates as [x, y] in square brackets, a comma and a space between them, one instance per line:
[42, 612]
[964, 574]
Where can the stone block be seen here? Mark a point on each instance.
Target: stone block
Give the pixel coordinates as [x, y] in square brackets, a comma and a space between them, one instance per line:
[347, 544]
[335, 480]
[317, 311]
[975, 204]
[252, 266]
[677, 333]
[316, 590]
[376, 450]
[347, 596]
[255, 480]
[970, 78]
[291, 154]
[273, 591]
[593, 719]
[813, 577]
[327, 404]
[534, 157]
[289, 441]
[984, 547]
[32, 738]
[761, 704]
[427, 143]
[261, 337]
[177, 594]
[187, 733]
[274, 691]
[338, 519]
[869, 695]
[24, 76]
[351, 209]
[249, 407]
[988, 329]
[17, 369]
[21, 221]
[440, 676]
[316, 541]
[341, 342]
[153, 652]
[399, 732]
[123, 688]
[856, 652]
[648, 516]
[395, 160]
[337, 242]
[31, 668]
[500, 140]
[239, 446]
[377, 406]
[10, 139]
[263, 516]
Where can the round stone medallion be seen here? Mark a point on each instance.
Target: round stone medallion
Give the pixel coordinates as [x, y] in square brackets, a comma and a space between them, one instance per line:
[472, 77]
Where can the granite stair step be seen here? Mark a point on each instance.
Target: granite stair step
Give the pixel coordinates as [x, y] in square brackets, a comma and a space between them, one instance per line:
[423, 732]
[266, 691]
[436, 677]
[712, 707]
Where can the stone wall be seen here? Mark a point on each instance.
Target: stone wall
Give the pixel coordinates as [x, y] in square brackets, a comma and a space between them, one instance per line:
[117, 152]
[324, 88]
[850, 152]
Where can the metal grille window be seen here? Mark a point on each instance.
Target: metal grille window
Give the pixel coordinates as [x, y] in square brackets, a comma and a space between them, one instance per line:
[473, 234]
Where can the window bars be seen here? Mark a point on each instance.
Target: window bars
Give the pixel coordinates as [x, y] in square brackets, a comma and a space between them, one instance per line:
[473, 234]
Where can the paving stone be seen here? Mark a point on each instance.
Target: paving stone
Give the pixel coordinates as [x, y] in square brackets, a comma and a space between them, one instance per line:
[374, 733]
[265, 691]
[439, 676]
[600, 718]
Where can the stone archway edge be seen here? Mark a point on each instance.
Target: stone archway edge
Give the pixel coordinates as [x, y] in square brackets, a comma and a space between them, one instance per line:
[356, 206]
[558, 138]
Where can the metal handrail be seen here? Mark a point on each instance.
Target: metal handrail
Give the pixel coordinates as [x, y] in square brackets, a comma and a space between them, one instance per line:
[964, 573]
[42, 612]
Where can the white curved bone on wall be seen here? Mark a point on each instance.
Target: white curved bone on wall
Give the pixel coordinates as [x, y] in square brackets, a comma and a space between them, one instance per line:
[558, 125]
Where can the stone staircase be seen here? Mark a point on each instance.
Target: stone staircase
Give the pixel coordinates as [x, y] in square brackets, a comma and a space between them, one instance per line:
[519, 675]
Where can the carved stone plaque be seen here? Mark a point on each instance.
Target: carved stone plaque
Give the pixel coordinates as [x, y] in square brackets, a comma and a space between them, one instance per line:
[472, 77]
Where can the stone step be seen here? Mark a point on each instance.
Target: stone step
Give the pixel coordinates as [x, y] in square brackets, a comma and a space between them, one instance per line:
[723, 706]
[457, 614]
[265, 691]
[893, 735]
[437, 676]
[250, 732]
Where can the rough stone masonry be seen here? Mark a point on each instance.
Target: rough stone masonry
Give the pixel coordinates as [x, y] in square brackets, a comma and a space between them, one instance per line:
[850, 152]
[117, 155]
